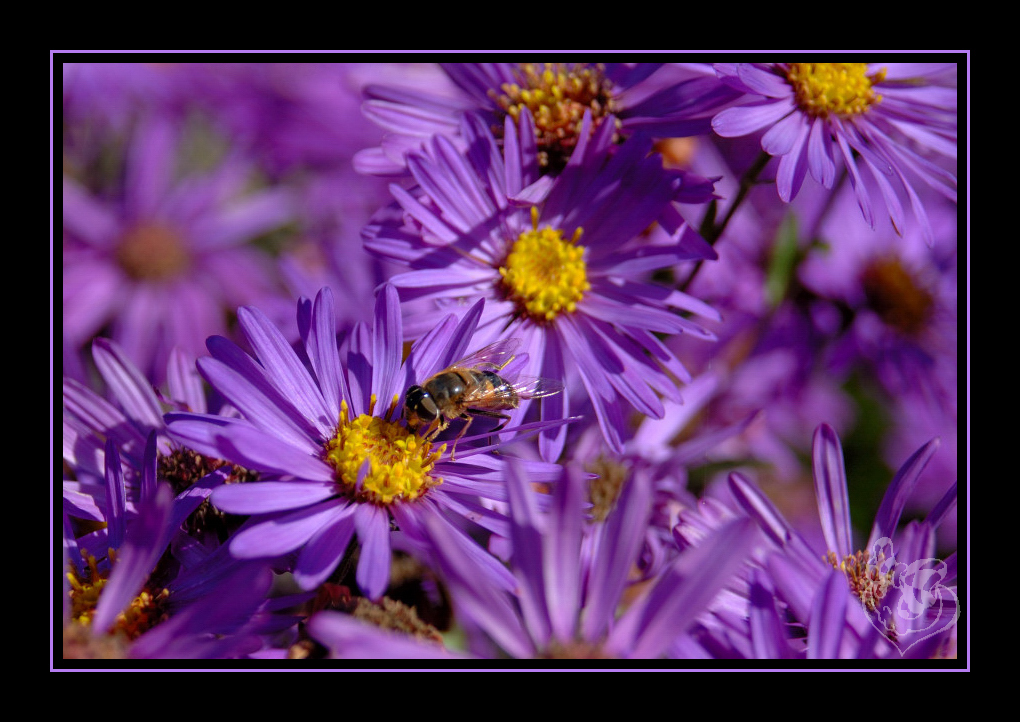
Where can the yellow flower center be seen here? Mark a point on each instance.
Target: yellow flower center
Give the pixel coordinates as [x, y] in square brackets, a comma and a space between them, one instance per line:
[545, 274]
[867, 581]
[145, 611]
[395, 464]
[841, 89]
[557, 96]
[153, 252]
[896, 297]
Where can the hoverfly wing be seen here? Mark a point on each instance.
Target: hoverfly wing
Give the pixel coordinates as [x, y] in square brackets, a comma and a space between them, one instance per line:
[536, 387]
[494, 356]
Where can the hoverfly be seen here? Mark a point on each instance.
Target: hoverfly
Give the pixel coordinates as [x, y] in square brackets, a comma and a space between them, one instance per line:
[473, 387]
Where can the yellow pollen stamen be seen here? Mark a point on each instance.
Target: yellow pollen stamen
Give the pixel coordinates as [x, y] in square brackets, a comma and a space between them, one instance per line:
[544, 274]
[557, 96]
[144, 612]
[866, 580]
[399, 463]
[841, 89]
[153, 252]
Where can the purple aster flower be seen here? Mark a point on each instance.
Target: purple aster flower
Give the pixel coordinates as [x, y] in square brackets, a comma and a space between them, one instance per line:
[294, 115]
[886, 117]
[334, 206]
[655, 451]
[900, 299]
[675, 101]
[562, 264]
[334, 455]
[163, 264]
[132, 415]
[567, 602]
[128, 599]
[110, 94]
[896, 599]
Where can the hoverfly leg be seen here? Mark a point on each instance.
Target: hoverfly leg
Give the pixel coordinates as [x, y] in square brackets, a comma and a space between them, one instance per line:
[440, 426]
[463, 431]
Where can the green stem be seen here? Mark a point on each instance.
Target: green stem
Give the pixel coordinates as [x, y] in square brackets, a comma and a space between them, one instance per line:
[709, 229]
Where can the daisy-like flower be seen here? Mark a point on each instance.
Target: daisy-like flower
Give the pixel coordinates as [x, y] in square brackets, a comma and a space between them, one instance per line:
[133, 414]
[335, 458]
[667, 101]
[567, 603]
[561, 264]
[895, 597]
[900, 299]
[164, 264]
[887, 117]
[126, 598]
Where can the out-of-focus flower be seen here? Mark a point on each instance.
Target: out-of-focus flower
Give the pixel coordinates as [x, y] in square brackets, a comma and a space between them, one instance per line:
[900, 297]
[292, 115]
[891, 310]
[563, 264]
[334, 456]
[628, 98]
[111, 94]
[567, 603]
[882, 116]
[164, 264]
[895, 599]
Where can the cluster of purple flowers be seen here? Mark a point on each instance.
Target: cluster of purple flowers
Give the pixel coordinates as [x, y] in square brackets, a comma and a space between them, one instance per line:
[474, 362]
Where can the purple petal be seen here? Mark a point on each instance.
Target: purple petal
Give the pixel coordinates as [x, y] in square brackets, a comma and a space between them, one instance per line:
[244, 220]
[127, 383]
[795, 583]
[900, 489]
[781, 137]
[184, 381]
[436, 227]
[747, 119]
[243, 444]
[793, 168]
[764, 82]
[150, 166]
[941, 509]
[324, 550]
[323, 352]
[488, 606]
[828, 617]
[143, 545]
[768, 633]
[685, 590]
[284, 533]
[387, 345]
[622, 540]
[860, 192]
[562, 571]
[263, 497]
[373, 527]
[115, 495]
[819, 150]
[285, 369]
[245, 385]
[529, 557]
[350, 638]
[86, 218]
[831, 491]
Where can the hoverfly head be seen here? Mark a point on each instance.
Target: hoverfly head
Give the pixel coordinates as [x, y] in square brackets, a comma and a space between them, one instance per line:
[419, 407]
